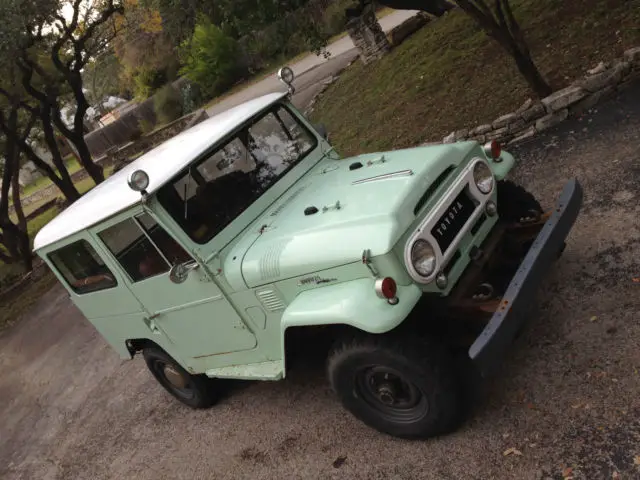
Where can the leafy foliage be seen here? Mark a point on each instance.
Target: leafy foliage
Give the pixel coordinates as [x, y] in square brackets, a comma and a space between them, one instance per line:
[211, 58]
[144, 49]
[147, 81]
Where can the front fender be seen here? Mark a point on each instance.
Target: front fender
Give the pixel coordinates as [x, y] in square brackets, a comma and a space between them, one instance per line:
[501, 169]
[353, 303]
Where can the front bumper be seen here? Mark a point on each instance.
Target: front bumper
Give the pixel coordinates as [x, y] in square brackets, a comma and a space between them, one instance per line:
[488, 349]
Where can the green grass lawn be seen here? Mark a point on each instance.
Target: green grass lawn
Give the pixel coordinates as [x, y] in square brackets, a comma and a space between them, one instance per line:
[450, 75]
[72, 166]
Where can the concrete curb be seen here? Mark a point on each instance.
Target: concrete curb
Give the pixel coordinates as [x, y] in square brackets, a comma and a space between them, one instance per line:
[534, 117]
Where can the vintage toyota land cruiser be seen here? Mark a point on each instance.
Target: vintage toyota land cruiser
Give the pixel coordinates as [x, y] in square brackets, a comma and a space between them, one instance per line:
[222, 250]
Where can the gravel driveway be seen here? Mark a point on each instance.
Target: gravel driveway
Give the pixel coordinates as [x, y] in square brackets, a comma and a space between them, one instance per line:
[566, 398]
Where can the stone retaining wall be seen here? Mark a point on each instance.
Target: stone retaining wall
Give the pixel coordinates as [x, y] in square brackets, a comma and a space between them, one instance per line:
[367, 35]
[536, 116]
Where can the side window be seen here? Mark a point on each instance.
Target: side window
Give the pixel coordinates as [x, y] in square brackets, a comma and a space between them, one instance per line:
[133, 250]
[171, 249]
[82, 268]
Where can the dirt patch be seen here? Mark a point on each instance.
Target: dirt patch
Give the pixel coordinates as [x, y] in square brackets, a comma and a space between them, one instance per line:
[566, 398]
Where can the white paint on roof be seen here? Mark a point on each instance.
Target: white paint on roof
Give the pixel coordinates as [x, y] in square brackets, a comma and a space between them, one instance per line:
[162, 164]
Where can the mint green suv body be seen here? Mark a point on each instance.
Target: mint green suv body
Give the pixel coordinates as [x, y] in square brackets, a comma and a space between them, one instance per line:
[210, 250]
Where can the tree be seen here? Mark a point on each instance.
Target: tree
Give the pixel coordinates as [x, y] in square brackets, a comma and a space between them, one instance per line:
[14, 100]
[500, 24]
[146, 52]
[14, 236]
[102, 79]
[52, 56]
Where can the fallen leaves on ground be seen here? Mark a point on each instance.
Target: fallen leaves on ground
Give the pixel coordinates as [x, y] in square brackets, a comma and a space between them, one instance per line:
[511, 451]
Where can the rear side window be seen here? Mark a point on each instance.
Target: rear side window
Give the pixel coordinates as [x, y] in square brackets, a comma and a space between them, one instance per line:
[82, 268]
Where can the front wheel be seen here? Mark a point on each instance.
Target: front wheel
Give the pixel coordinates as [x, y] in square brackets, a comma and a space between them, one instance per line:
[196, 391]
[515, 204]
[398, 385]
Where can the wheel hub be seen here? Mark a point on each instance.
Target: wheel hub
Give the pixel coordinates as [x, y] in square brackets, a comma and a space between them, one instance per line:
[387, 394]
[174, 377]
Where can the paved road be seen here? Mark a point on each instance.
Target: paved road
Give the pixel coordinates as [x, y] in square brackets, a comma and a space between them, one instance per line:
[306, 70]
[567, 396]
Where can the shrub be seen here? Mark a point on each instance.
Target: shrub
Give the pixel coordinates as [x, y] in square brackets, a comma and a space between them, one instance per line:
[167, 103]
[211, 59]
[147, 81]
[145, 126]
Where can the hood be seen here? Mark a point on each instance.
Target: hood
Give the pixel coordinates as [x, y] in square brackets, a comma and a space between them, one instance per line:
[342, 207]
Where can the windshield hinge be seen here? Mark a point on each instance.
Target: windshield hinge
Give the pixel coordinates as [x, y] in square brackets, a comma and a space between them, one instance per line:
[366, 259]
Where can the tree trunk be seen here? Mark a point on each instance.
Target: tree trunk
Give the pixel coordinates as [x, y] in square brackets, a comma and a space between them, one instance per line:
[531, 74]
[64, 182]
[76, 136]
[24, 244]
[94, 170]
[9, 234]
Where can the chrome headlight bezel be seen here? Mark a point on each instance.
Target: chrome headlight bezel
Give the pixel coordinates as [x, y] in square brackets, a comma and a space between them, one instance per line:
[464, 180]
[483, 177]
[428, 250]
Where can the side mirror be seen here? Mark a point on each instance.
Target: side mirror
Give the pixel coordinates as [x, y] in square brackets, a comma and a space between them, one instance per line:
[180, 271]
[322, 130]
[286, 76]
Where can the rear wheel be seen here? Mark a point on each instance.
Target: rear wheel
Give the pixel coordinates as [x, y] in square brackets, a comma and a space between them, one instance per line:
[517, 205]
[398, 385]
[196, 391]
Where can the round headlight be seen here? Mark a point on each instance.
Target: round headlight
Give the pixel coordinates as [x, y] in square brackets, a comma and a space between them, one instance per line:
[483, 177]
[286, 75]
[423, 258]
[138, 181]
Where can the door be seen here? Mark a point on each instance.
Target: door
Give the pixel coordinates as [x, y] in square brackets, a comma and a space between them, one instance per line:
[195, 315]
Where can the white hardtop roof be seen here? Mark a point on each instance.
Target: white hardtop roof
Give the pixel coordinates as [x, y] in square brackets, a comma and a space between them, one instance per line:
[162, 164]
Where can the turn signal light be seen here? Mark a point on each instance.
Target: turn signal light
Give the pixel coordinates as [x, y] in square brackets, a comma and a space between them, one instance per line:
[493, 149]
[387, 288]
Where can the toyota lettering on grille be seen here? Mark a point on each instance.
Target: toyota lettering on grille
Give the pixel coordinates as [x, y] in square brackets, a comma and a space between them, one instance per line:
[445, 222]
[453, 219]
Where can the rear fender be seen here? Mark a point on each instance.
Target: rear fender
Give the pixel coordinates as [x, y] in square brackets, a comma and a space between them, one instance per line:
[353, 303]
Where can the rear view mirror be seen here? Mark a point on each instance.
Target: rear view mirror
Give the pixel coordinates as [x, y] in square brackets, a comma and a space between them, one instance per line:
[322, 130]
[180, 271]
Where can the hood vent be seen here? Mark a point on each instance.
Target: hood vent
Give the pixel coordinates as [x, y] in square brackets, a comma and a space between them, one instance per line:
[432, 188]
[270, 300]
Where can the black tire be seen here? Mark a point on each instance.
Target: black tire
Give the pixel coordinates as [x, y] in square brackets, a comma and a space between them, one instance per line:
[515, 203]
[418, 375]
[198, 390]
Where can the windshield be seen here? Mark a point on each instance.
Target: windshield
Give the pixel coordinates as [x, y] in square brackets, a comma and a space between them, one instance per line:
[219, 187]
